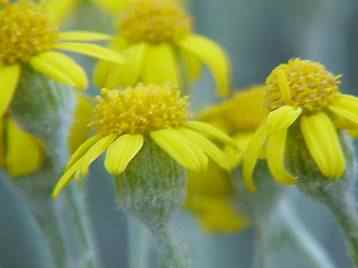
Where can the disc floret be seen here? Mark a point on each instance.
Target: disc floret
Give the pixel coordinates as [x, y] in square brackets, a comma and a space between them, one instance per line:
[139, 110]
[301, 83]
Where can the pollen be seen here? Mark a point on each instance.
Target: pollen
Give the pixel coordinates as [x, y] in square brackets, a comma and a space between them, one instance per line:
[24, 32]
[301, 83]
[155, 21]
[139, 110]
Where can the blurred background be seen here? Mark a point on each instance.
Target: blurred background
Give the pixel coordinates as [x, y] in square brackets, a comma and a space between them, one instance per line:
[257, 35]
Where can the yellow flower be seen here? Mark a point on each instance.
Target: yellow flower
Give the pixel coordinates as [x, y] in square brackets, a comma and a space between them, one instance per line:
[20, 152]
[27, 38]
[156, 38]
[210, 194]
[302, 95]
[210, 197]
[124, 119]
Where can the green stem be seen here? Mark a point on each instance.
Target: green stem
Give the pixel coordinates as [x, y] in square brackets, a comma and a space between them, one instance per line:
[340, 199]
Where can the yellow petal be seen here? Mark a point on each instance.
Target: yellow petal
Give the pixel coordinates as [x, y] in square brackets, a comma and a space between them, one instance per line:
[24, 153]
[160, 66]
[94, 152]
[91, 50]
[282, 118]
[178, 148]
[63, 64]
[80, 166]
[2, 142]
[82, 149]
[127, 74]
[208, 147]
[80, 126]
[121, 152]
[345, 107]
[103, 68]
[9, 77]
[57, 11]
[252, 155]
[192, 65]
[322, 142]
[53, 72]
[211, 132]
[276, 149]
[213, 56]
[83, 36]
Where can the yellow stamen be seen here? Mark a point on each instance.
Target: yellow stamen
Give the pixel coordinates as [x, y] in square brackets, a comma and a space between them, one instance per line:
[24, 32]
[155, 21]
[301, 83]
[139, 110]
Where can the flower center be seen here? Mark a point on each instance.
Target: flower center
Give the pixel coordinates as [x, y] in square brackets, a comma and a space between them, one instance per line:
[301, 83]
[24, 32]
[155, 21]
[139, 109]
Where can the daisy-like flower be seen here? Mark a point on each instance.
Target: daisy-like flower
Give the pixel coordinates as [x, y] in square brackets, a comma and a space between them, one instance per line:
[304, 97]
[125, 119]
[28, 39]
[158, 44]
[210, 194]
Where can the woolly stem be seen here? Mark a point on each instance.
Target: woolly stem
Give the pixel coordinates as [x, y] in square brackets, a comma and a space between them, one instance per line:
[45, 109]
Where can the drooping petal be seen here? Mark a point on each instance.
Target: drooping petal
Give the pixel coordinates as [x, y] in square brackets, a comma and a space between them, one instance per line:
[210, 131]
[51, 71]
[80, 166]
[112, 6]
[91, 50]
[282, 118]
[121, 152]
[192, 65]
[9, 77]
[94, 152]
[77, 155]
[58, 11]
[276, 148]
[252, 155]
[179, 149]
[160, 65]
[345, 107]
[61, 64]
[24, 153]
[128, 73]
[208, 147]
[83, 36]
[323, 143]
[212, 56]
[104, 68]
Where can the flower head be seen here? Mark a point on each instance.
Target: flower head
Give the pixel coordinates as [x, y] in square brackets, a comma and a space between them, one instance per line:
[302, 95]
[27, 38]
[156, 38]
[126, 118]
[155, 21]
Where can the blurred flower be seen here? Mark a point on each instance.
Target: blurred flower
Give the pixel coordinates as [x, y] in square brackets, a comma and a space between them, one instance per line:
[123, 120]
[59, 11]
[304, 97]
[156, 39]
[20, 152]
[210, 194]
[28, 38]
